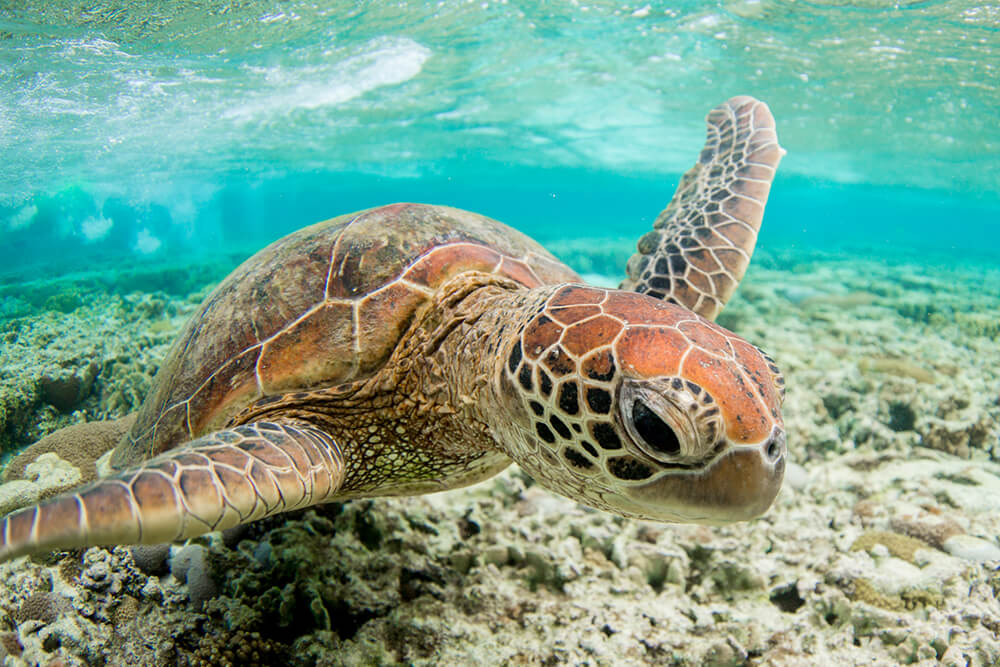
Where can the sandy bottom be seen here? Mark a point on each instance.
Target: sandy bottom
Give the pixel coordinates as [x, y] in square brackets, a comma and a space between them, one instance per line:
[881, 548]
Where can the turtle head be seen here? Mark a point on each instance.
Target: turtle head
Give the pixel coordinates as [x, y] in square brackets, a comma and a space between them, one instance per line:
[640, 407]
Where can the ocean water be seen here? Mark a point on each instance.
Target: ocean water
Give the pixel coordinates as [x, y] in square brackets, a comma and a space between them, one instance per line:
[148, 147]
[157, 130]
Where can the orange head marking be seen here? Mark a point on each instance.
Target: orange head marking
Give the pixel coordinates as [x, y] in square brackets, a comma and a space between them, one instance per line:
[641, 407]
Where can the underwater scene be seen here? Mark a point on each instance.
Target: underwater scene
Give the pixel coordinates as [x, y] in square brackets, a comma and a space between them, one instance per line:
[790, 459]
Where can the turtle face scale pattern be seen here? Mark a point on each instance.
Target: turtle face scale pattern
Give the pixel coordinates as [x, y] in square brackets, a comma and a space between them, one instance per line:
[642, 408]
[413, 348]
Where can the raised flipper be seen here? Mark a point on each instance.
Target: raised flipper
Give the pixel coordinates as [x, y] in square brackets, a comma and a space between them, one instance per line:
[701, 243]
[215, 482]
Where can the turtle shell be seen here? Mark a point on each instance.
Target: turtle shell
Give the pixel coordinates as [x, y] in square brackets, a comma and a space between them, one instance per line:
[323, 306]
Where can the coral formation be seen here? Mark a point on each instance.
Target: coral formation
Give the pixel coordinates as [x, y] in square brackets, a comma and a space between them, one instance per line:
[239, 649]
[152, 559]
[898, 545]
[898, 367]
[933, 528]
[80, 445]
[44, 606]
[881, 548]
[191, 566]
[66, 388]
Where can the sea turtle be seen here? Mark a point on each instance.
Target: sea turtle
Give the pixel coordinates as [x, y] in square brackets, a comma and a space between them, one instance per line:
[411, 348]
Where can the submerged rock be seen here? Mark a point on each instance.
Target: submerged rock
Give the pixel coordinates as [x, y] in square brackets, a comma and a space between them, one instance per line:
[972, 548]
[191, 566]
[58, 462]
[66, 388]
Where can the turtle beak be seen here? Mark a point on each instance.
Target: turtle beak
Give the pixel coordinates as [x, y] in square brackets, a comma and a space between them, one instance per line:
[738, 486]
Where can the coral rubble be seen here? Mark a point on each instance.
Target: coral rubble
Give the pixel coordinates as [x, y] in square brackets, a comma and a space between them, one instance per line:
[881, 549]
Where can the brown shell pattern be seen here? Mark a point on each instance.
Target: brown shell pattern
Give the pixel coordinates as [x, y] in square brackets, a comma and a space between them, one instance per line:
[323, 306]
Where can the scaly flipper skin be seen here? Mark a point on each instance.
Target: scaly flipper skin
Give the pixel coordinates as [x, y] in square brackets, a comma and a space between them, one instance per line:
[701, 243]
[215, 482]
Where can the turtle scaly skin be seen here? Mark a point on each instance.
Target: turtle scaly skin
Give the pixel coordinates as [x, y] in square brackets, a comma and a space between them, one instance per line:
[410, 349]
[700, 245]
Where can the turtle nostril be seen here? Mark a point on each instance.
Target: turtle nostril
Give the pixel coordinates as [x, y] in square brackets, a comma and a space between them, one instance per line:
[776, 447]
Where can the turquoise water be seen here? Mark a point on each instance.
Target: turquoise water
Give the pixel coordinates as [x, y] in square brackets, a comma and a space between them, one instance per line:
[147, 147]
[147, 129]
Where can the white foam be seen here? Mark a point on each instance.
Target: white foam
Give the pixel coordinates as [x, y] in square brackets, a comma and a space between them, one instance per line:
[146, 243]
[270, 90]
[23, 218]
[384, 61]
[95, 228]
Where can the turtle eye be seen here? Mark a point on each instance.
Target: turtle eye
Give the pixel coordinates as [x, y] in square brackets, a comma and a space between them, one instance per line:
[655, 433]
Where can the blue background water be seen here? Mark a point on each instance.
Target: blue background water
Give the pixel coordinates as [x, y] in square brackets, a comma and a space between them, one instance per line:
[133, 131]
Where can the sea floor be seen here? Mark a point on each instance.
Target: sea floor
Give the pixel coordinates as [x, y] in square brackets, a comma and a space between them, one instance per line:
[881, 548]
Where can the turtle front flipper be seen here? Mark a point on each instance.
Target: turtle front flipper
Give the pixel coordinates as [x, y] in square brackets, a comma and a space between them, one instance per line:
[701, 244]
[217, 481]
